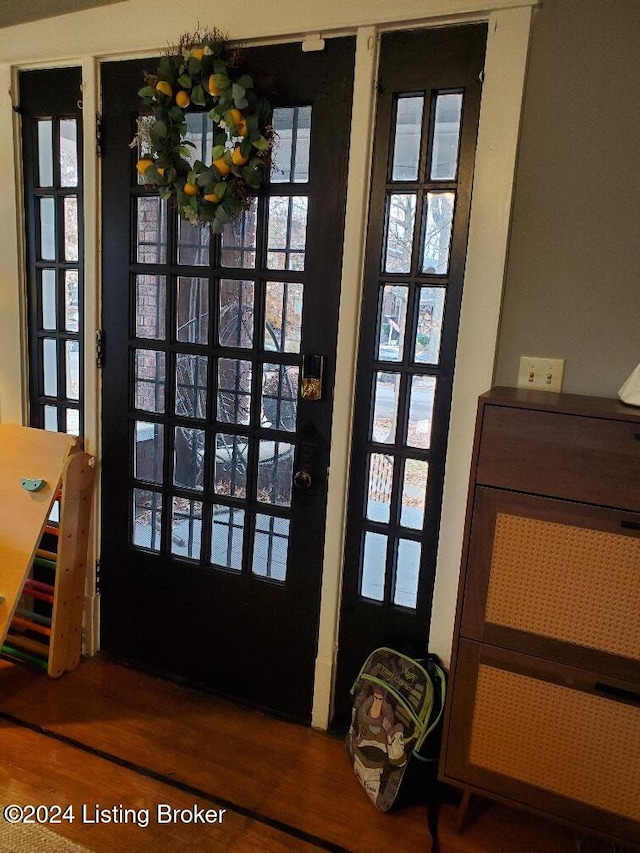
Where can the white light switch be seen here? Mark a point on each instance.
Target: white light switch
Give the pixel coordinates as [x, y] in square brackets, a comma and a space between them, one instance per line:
[541, 374]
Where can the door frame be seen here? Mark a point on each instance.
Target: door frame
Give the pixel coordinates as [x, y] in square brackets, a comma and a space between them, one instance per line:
[506, 57]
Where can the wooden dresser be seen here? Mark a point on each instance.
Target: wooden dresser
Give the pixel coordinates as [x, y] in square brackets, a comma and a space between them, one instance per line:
[543, 709]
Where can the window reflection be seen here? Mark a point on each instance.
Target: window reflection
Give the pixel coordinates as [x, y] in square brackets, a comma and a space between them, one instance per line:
[283, 316]
[151, 299]
[270, 548]
[437, 233]
[446, 136]
[385, 407]
[236, 313]
[287, 234]
[423, 389]
[429, 330]
[408, 131]
[68, 153]
[392, 321]
[45, 153]
[290, 161]
[192, 310]
[401, 218]
[380, 487]
[151, 234]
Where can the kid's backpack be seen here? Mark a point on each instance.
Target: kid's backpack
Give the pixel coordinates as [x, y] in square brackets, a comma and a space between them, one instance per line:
[394, 736]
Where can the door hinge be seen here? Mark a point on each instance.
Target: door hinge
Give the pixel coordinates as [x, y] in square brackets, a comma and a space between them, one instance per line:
[99, 349]
[98, 135]
[98, 577]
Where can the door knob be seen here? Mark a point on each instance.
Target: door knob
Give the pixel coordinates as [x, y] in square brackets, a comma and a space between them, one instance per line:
[302, 480]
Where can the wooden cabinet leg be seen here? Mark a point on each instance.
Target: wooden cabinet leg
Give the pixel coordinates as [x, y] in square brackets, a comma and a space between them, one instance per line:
[463, 809]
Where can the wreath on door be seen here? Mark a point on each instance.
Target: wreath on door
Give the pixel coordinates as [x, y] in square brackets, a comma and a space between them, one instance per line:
[203, 73]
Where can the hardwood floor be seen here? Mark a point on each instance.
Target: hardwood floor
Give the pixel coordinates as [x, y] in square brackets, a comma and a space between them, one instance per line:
[115, 744]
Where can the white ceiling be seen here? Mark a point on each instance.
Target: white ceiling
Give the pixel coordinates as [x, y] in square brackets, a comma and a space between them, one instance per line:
[14, 12]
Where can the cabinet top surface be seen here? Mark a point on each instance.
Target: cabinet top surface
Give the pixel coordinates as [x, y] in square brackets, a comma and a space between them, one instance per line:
[575, 404]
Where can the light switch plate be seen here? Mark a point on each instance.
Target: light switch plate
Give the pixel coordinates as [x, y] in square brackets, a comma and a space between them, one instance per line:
[540, 374]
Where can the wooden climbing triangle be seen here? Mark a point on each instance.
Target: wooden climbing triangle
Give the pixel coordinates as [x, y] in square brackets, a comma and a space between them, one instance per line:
[43, 562]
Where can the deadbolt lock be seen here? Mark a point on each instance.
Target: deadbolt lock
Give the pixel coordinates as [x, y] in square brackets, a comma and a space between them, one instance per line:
[312, 376]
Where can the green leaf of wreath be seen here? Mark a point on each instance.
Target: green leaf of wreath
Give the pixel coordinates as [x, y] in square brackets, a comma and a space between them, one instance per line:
[185, 81]
[159, 130]
[164, 69]
[206, 177]
[197, 96]
[261, 144]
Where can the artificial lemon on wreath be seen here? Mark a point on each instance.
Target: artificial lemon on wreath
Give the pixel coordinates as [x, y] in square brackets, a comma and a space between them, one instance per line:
[190, 189]
[182, 99]
[164, 87]
[236, 120]
[212, 197]
[238, 158]
[143, 165]
[222, 166]
[233, 116]
[212, 89]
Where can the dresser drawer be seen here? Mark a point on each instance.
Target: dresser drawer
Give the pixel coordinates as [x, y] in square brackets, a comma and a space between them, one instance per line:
[561, 455]
[551, 737]
[556, 579]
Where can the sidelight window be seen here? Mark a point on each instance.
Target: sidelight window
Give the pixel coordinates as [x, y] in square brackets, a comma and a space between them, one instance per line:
[405, 369]
[52, 155]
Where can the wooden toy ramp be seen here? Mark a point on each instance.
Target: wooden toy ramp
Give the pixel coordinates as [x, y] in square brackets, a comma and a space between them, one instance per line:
[43, 563]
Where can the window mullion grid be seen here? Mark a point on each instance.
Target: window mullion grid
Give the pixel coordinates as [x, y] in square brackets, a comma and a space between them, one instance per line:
[287, 250]
[250, 502]
[57, 160]
[294, 140]
[406, 368]
[429, 124]
[60, 336]
[175, 422]
[394, 521]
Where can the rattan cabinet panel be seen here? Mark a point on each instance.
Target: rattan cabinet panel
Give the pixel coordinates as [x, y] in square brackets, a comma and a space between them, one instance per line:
[544, 702]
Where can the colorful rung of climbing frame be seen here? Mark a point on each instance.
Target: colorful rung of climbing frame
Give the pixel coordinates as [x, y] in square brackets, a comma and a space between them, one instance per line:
[29, 636]
[43, 563]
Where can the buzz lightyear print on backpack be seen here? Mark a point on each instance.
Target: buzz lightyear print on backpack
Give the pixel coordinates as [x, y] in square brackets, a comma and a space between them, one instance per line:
[393, 738]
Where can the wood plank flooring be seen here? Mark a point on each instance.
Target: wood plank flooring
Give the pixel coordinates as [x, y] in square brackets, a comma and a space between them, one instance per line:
[115, 743]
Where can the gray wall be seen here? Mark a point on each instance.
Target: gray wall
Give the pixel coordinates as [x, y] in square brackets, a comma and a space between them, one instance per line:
[572, 286]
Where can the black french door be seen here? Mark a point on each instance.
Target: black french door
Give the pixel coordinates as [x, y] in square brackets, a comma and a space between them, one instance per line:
[427, 117]
[214, 464]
